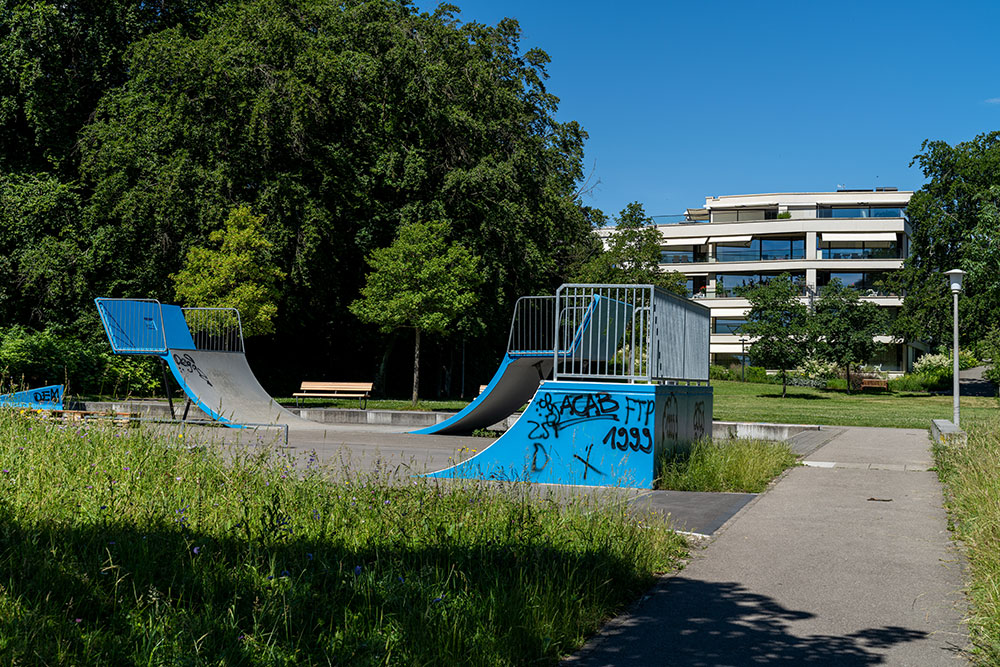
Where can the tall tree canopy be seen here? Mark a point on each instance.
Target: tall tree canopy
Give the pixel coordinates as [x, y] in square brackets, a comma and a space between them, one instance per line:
[954, 224]
[129, 130]
[337, 123]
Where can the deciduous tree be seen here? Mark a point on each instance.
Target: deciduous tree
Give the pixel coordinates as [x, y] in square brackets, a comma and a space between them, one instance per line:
[846, 326]
[239, 273]
[630, 254]
[423, 281]
[954, 224]
[778, 324]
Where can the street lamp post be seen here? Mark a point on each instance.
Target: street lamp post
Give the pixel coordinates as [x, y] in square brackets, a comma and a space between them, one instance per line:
[955, 282]
[743, 359]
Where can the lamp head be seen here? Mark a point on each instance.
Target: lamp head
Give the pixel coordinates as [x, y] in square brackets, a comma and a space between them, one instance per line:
[955, 279]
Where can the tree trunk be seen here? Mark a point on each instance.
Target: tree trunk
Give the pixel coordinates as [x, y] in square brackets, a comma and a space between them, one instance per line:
[784, 383]
[380, 375]
[416, 366]
[848, 367]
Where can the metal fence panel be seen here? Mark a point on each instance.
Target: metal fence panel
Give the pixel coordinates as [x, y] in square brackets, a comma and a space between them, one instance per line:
[133, 326]
[532, 329]
[215, 329]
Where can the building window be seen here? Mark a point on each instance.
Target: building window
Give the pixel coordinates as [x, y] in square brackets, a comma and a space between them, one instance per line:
[868, 282]
[745, 215]
[859, 212]
[696, 286]
[682, 255]
[859, 250]
[765, 249]
[729, 359]
[727, 325]
[729, 284]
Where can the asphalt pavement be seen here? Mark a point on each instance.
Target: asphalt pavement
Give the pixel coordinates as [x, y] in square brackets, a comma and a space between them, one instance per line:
[844, 561]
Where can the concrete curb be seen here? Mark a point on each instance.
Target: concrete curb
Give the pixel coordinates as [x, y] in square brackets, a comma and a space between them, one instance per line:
[946, 433]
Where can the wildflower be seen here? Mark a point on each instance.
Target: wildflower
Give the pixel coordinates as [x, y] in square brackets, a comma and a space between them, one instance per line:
[357, 570]
[309, 556]
[196, 550]
[440, 599]
[401, 580]
[285, 573]
[79, 620]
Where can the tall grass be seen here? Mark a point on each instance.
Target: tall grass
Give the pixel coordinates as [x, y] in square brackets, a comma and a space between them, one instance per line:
[125, 547]
[742, 465]
[972, 480]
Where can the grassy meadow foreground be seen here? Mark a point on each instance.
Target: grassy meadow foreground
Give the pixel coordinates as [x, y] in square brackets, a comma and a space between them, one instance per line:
[125, 547]
[972, 482]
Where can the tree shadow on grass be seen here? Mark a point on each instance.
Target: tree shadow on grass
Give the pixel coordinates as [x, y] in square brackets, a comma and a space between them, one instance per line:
[691, 622]
[117, 593]
[807, 397]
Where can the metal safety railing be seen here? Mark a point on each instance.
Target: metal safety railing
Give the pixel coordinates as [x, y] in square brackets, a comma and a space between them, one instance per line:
[602, 331]
[215, 329]
[133, 326]
[629, 333]
[532, 329]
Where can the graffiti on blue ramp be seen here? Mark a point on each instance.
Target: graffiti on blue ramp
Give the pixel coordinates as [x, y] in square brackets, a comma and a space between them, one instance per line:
[593, 434]
[41, 398]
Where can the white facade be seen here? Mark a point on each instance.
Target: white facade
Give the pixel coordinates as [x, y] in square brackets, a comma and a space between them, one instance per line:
[857, 236]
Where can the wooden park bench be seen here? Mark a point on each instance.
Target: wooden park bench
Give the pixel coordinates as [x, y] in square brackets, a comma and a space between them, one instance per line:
[358, 390]
[872, 383]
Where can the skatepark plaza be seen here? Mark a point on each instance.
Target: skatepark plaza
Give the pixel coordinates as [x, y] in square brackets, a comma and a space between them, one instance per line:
[615, 376]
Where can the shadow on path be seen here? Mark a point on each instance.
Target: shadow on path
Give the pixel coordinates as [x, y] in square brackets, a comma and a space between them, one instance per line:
[690, 622]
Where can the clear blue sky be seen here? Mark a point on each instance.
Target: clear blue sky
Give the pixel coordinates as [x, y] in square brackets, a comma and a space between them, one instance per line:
[684, 100]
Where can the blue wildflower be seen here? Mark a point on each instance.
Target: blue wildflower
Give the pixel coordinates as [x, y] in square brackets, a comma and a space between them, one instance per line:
[357, 570]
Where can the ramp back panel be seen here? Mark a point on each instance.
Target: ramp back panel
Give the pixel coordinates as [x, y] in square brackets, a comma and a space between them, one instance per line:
[133, 326]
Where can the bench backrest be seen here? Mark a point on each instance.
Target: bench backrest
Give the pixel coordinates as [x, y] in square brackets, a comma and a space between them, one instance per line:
[336, 386]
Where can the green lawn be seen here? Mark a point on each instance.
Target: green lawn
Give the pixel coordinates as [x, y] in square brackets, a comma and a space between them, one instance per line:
[738, 401]
[748, 401]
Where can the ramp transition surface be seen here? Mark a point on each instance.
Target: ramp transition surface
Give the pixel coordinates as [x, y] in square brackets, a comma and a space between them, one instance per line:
[513, 385]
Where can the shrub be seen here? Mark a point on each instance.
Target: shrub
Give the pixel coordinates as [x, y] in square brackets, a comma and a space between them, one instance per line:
[908, 382]
[35, 358]
[759, 374]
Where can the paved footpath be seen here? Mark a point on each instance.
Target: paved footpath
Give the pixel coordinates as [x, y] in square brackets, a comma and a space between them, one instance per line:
[845, 561]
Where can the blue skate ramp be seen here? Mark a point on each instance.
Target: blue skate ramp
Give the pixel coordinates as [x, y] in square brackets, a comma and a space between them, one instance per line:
[513, 385]
[40, 398]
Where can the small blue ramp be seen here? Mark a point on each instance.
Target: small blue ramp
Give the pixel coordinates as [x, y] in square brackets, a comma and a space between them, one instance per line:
[41, 398]
[593, 434]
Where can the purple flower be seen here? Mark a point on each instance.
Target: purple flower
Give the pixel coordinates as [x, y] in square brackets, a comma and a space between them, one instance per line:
[79, 620]
[196, 550]
[285, 573]
[309, 556]
[440, 599]
[357, 570]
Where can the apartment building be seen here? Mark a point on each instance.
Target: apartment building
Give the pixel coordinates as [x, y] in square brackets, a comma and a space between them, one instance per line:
[858, 236]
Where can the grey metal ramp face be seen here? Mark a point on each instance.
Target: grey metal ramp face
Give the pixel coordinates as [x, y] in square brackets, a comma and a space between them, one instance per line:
[222, 384]
[513, 385]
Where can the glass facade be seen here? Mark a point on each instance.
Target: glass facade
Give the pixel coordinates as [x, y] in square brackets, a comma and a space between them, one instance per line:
[859, 250]
[745, 215]
[866, 281]
[682, 255]
[727, 325]
[727, 284]
[860, 212]
[765, 249]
